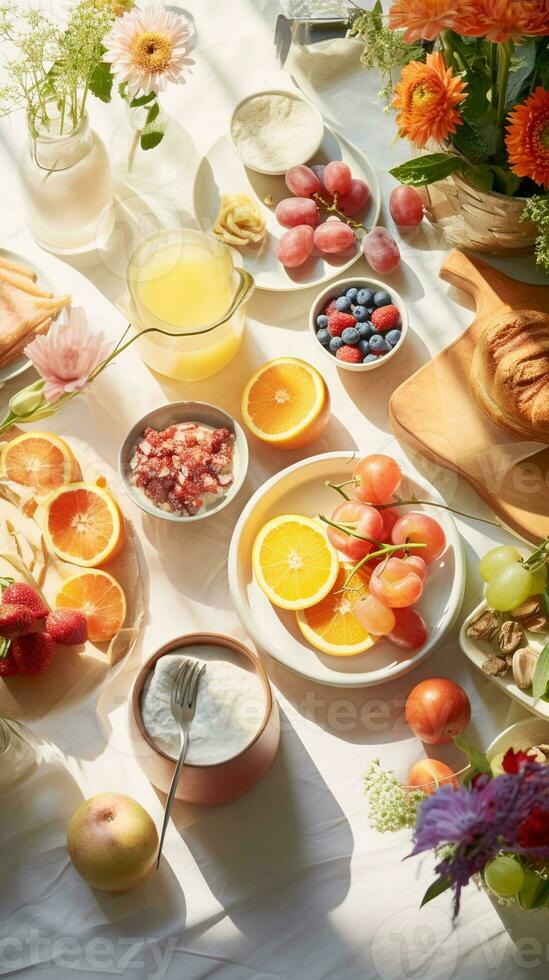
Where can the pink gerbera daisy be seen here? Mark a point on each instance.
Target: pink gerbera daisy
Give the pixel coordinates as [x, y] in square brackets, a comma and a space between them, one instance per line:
[148, 48]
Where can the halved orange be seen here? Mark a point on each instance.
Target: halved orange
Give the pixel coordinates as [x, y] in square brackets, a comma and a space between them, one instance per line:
[100, 597]
[83, 524]
[40, 460]
[331, 625]
[286, 403]
[293, 561]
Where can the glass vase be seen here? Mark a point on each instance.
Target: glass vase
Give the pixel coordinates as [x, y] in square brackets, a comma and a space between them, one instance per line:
[67, 185]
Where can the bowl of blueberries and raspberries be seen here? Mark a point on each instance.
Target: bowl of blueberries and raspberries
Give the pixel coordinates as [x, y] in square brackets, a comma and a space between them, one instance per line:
[360, 323]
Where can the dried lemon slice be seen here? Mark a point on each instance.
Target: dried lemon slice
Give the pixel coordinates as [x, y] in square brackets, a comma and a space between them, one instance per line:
[239, 220]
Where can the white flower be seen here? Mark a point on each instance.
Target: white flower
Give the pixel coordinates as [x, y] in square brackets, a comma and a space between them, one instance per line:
[148, 48]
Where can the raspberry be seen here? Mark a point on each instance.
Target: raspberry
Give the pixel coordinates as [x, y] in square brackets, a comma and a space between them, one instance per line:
[67, 627]
[15, 620]
[351, 355]
[386, 318]
[338, 322]
[331, 308]
[33, 653]
[24, 595]
[8, 666]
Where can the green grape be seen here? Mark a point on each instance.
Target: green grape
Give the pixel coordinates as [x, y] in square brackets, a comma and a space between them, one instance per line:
[504, 876]
[539, 580]
[496, 559]
[496, 764]
[509, 587]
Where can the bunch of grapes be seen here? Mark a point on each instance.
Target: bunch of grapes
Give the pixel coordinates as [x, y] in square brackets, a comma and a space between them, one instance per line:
[510, 580]
[365, 528]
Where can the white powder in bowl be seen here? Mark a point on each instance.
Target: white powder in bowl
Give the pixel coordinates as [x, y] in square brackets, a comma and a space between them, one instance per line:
[273, 132]
[229, 710]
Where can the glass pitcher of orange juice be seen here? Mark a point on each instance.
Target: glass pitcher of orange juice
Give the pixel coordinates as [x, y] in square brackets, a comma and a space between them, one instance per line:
[192, 287]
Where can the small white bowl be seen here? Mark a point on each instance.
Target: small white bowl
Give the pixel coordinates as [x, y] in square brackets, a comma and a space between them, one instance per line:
[336, 289]
[317, 133]
[522, 735]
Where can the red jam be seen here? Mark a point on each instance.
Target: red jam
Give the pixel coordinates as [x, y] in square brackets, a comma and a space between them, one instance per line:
[184, 468]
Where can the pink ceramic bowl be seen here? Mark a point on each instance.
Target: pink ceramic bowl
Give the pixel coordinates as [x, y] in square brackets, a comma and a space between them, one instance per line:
[218, 782]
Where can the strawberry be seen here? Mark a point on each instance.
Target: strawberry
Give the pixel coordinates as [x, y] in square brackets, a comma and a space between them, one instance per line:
[386, 318]
[351, 355]
[8, 666]
[337, 323]
[24, 595]
[15, 620]
[67, 626]
[34, 653]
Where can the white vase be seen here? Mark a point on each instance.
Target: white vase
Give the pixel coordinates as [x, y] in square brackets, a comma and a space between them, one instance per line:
[67, 185]
[522, 924]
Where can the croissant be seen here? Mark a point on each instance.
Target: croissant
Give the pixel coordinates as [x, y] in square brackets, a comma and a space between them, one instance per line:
[509, 373]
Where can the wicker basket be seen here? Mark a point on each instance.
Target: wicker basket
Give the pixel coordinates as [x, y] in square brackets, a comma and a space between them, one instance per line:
[471, 218]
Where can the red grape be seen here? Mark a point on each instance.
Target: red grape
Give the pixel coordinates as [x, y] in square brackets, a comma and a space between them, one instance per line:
[417, 564]
[337, 177]
[390, 517]
[293, 211]
[395, 584]
[301, 180]
[374, 616]
[369, 524]
[417, 527]
[381, 250]
[410, 630]
[295, 246]
[377, 478]
[318, 169]
[334, 236]
[406, 207]
[356, 198]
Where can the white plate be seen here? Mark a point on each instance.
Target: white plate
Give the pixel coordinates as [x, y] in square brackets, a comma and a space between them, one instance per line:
[222, 172]
[300, 489]
[22, 363]
[478, 650]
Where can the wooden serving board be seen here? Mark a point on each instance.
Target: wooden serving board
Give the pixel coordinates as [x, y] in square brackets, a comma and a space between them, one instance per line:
[435, 411]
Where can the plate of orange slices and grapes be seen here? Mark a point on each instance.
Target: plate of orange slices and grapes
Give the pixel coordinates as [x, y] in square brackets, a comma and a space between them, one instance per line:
[346, 570]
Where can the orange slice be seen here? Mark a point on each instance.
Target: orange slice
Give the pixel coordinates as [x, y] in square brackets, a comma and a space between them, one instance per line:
[331, 625]
[293, 561]
[83, 524]
[99, 596]
[286, 403]
[40, 460]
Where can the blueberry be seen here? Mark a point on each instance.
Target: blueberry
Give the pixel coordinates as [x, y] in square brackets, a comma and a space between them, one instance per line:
[382, 298]
[336, 343]
[370, 310]
[364, 347]
[360, 313]
[378, 344]
[365, 330]
[350, 335]
[369, 358]
[322, 321]
[343, 304]
[352, 294]
[393, 337]
[324, 338]
[365, 297]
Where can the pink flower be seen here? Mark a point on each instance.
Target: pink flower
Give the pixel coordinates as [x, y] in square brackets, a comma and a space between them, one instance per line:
[67, 355]
[148, 48]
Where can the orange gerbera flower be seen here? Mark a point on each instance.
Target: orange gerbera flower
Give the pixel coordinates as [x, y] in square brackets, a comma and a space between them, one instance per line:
[505, 20]
[527, 138]
[426, 18]
[426, 97]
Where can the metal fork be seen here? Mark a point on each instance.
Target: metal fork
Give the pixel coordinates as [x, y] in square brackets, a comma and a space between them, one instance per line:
[183, 705]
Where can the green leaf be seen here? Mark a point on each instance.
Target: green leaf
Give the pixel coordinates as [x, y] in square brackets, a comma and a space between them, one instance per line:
[5, 580]
[477, 760]
[542, 897]
[541, 673]
[522, 66]
[150, 140]
[101, 82]
[438, 887]
[505, 180]
[427, 169]
[480, 176]
[142, 100]
[152, 114]
[470, 140]
[476, 103]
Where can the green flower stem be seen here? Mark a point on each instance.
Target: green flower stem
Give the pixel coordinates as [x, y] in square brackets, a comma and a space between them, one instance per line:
[504, 63]
[399, 502]
[346, 528]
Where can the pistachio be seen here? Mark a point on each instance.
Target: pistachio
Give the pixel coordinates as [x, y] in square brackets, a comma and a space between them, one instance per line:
[510, 636]
[495, 666]
[543, 748]
[536, 623]
[524, 665]
[484, 626]
[528, 608]
[537, 754]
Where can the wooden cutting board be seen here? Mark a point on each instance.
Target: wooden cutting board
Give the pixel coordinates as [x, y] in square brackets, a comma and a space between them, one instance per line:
[435, 411]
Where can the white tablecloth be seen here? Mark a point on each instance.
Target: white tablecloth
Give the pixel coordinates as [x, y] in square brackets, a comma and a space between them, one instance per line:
[290, 881]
